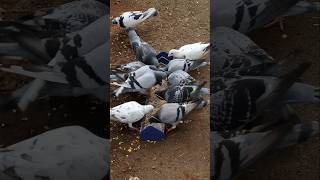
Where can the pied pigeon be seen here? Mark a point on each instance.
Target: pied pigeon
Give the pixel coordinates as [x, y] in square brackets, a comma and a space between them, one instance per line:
[133, 18]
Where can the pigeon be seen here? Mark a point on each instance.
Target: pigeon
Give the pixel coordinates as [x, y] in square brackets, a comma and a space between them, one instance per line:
[129, 67]
[130, 112]
[143, 51]
[70, 152]
[141, 80]
[132, 19]
[185, 65]
[180, 77]
[236, 54]
[79, 63]
[231, 155]
[182, 93]
[70, 17]
[120, 73]
[173, 113]
[242, 101]
[190, 51]
[20, 41]
[245, 16]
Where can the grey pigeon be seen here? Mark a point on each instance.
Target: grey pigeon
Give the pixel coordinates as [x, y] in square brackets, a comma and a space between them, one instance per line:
[182, 93]
[65, 153]
[173, 113]
[141, 80]
[21, 41]
[241, 101]
[180, 77]
[143, 51]
[132, 19]
[231, 155]
[69, 17]
[185, 65]
[120, 73]
[236, 54]
[79, 63]
[245, 16]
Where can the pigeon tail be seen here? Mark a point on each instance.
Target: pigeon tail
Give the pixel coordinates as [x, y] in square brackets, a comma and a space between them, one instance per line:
[287, 80]
[149, 13]
[303, 7]
[202, 103]
[118, 91]
[198, 89]
[117, 76]
[301, 93]
[299, 133]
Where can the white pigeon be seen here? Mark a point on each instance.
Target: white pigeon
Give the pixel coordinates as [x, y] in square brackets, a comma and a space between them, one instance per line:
[193, 51]
[130, 112]
[65, 153]
[133, 18]
[140, 81]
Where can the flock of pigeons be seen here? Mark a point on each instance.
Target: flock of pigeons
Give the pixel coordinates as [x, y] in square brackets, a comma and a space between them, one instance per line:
[66, 50]
[252, 94]
[171, 92]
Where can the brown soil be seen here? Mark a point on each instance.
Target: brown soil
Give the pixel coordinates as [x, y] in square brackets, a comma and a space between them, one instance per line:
[184, 154]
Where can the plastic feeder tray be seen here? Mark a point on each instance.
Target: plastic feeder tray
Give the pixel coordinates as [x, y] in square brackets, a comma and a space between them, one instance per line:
[163, 58]
[153, 132]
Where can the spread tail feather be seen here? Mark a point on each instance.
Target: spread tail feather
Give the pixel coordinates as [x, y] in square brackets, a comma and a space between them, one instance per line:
[287, 80]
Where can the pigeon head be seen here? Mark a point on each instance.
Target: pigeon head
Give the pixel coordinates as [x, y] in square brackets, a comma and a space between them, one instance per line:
[148, 109]
[173, 53]
[115, 20]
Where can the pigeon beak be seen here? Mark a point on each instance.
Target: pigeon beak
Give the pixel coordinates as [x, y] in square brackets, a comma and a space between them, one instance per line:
[114, 21]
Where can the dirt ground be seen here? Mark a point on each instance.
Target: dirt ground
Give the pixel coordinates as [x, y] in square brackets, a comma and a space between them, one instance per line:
[44, 114]
[184, 154]
[300, 162]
